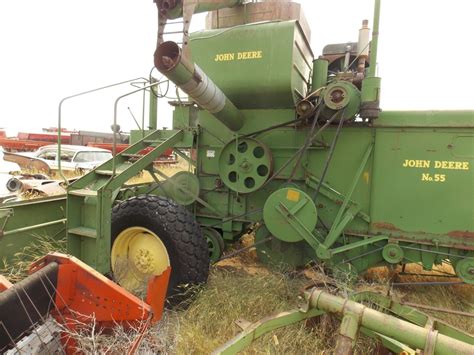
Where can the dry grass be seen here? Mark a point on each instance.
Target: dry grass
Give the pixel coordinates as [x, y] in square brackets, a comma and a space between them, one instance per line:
[17, 268]
[232, 293]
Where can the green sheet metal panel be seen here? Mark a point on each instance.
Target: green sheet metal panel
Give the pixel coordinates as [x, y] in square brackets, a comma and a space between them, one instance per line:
[265, 65]
[425, 119]
[22, 223]
[423, 180]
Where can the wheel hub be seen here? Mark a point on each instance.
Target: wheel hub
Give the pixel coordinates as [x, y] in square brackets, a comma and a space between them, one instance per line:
[465, 270]
[393, 254]
[138, 254]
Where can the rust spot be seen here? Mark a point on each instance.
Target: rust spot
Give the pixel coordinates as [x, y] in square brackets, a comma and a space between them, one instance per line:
[461, 234]
[383, 225]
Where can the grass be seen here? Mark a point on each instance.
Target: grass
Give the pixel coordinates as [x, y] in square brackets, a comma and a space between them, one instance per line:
[17, 268]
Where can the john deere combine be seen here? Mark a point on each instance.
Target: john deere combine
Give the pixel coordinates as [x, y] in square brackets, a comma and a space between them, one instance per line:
[279, 139]
[293, 146]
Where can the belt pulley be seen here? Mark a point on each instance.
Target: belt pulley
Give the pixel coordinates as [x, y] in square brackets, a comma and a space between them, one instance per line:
[245, 164]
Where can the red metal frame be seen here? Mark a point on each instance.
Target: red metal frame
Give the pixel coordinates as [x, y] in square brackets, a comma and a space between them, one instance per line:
[83, 294]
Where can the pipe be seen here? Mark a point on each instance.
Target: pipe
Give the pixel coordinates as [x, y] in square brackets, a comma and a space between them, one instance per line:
[370, 91]
[194, 82]
[320, 74]
[375, 40]
[363, 47]
[173, 9]
[407, 333]
[153, 109]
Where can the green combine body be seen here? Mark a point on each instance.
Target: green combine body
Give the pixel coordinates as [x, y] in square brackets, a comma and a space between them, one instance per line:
[295, 145]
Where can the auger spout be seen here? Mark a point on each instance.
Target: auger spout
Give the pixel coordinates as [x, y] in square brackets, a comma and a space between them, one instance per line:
[194, 82]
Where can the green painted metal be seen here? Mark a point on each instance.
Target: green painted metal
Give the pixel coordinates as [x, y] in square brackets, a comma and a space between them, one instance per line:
[413, 315]
[215, 243]
[290, 214]
[153, 110]
[267, 78]
[90, 198]
[341, 95]
[182, 187]
[398, 327]
[370, 90]
[320, 74]
[262, 327]
[405, 332]
[23, 222]
[245, 165]
[375, 41]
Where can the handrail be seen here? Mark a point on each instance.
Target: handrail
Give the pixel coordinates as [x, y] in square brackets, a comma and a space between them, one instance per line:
[60, 117]
[114, 144]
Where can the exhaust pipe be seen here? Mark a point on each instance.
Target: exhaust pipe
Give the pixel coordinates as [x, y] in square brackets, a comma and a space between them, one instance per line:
[194, 82]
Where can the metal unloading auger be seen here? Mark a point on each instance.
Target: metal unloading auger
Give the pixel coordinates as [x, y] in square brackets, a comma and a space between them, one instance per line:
[62, 293]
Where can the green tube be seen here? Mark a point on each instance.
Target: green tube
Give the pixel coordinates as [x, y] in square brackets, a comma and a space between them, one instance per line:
[320, 74]
[153, 110]
[407, 333]
[375, 40]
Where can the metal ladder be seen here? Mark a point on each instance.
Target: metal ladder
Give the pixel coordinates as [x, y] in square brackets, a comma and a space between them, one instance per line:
[90, 198]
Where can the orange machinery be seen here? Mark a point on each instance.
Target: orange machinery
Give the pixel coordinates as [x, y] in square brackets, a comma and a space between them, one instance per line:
[66, 291]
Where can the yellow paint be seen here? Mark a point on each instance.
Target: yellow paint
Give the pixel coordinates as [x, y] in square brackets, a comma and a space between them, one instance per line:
[451, 165]
[427, 177]
[136, 255]
[436, 164]
[226, 57]
[293, 195]
[366, 177]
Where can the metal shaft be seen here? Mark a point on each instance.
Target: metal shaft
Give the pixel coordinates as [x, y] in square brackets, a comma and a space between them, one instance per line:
[375, 41]
[407, 333]
[194, 82]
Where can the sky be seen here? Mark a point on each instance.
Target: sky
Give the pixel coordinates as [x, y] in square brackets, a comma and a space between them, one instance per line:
[55, 48]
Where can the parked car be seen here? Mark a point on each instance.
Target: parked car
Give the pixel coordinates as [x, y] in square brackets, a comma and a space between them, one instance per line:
[73, 157]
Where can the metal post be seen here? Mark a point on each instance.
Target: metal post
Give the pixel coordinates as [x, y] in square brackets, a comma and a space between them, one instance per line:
[153, 110]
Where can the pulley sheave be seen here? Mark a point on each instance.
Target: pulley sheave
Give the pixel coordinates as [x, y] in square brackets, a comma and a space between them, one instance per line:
[245, 164]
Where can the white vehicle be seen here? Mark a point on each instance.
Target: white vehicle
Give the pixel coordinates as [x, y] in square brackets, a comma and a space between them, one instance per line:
[73, 157]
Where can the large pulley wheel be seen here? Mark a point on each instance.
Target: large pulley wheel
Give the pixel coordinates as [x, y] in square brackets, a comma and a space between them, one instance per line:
[245, 164]
[287, 211]
[182, 187]
[150, 233]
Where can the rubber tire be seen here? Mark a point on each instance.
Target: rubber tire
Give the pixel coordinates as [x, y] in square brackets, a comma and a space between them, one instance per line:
[179, 232]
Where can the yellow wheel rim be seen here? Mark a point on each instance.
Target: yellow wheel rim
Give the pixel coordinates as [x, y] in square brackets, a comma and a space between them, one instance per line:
[137, 255]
